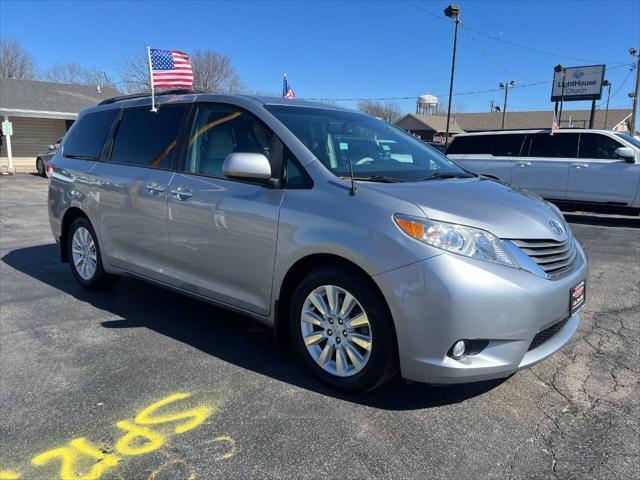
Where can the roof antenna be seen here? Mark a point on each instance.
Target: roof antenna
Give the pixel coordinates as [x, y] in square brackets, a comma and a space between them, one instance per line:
[353, 190]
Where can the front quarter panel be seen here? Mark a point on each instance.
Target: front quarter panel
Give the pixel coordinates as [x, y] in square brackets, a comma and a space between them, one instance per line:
[328, 220]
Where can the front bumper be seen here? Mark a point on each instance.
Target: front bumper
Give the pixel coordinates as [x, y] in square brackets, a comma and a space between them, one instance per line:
[447, 298]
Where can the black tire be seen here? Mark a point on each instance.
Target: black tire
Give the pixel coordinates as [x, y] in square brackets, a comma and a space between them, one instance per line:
[40, 167]
[382, 364]
[100, 279]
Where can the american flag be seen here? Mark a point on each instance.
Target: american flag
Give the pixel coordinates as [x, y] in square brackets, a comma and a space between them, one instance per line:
[171, 69]
[287, 91]
[555, 126]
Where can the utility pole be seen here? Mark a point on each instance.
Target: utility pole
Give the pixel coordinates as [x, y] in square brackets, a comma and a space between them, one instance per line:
[506, 87]
[607, 84]
[634, 112]
[453, 12]
[492, 104]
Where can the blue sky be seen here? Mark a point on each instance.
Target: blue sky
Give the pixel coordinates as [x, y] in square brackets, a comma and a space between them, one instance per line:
[348, 49]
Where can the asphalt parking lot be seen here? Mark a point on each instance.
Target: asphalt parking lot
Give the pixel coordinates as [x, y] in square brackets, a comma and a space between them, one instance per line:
[141, 383]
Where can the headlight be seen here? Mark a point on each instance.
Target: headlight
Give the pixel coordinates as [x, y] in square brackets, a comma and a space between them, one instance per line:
[467, 241]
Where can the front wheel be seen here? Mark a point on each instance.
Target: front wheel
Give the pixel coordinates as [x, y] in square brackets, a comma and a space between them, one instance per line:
[342, 328]
[84, 256]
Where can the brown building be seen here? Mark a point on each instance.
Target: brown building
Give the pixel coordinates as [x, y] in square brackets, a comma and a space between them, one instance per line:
[426, 126]
[430, 128]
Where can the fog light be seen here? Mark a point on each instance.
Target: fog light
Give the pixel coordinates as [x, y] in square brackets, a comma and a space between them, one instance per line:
[459, 349]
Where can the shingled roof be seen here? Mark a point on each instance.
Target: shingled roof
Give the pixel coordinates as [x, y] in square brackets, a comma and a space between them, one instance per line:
[32, 98]
[480, 122]
[436, 123]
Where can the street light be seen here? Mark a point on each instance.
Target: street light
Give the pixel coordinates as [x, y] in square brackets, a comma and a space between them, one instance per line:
[453, 12]
[562, 71]
[607, 83]
[506, 87]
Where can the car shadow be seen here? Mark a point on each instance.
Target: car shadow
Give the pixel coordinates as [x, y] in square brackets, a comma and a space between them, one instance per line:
[602, 220]
[226, 335]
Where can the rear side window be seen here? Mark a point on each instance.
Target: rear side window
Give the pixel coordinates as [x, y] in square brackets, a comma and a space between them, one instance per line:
[471, 144]
[593, 145]
[146, 138]
[507, 145]
[87, 137]
[560, 145]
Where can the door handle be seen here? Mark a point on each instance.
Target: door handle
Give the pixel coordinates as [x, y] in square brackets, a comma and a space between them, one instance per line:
[182, 193]
[524, 164]
[581, 165]
[155, 187]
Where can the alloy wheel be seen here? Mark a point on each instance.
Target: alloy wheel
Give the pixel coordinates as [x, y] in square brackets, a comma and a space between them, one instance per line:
[336, 330]
[83, 250]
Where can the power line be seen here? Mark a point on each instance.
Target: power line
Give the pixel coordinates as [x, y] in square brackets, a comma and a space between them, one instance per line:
[413, 97]
[488, 57]
[507, 42]
[618, 89]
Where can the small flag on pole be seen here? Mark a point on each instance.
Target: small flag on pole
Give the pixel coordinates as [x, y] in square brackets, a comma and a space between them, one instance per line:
[171, 69]
[287, 91]
[168, 69]
[555, 126]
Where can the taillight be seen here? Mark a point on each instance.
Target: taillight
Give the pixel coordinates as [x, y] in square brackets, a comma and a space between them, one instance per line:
[49, 168]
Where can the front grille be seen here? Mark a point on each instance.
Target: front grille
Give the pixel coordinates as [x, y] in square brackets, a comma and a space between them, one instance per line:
[552, 256]
[547, 333]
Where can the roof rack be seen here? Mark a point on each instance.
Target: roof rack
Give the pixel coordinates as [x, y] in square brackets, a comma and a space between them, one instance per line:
[173, 91]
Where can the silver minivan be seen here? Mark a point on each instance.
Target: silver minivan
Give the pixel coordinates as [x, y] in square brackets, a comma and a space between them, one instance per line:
[591, 170]
[367, 249]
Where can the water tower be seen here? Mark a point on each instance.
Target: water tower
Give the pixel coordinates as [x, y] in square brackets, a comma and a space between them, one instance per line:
[427, 105]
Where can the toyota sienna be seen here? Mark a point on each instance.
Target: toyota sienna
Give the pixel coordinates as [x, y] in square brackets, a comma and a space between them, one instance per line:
[370, 250]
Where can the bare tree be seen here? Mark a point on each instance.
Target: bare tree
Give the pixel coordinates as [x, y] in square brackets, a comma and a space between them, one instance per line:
[72, 72]
[15, 62]
[212, 72]
[388, 111]
[135, 73]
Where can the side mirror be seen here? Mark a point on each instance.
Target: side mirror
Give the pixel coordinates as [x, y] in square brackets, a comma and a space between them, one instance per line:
[51, 147]
[626, 153]
[249, 166]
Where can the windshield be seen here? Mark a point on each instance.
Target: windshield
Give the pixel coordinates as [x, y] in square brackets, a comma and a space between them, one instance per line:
[378, 151]
[632, 140]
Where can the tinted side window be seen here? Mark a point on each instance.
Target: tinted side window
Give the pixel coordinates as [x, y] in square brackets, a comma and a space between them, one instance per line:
[471, 144]
[87, 137]
[560, 145]
[507, 145]
[593, 145]
[295, 175]
[147, 138]
[220, 130]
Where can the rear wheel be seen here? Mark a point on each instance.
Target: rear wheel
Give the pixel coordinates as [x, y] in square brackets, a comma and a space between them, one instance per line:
[40, 167]
[343, 330]
[84, 256]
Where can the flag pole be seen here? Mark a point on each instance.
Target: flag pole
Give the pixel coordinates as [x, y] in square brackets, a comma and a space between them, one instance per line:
[153, 92]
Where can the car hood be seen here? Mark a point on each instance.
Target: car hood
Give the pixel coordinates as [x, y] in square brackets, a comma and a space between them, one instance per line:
[503, 210]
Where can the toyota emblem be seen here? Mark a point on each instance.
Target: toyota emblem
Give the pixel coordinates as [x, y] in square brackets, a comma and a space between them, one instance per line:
[556, 228]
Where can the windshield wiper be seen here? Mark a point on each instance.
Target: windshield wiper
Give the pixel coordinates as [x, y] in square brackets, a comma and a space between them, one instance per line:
[378, 178]
[444, 175]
